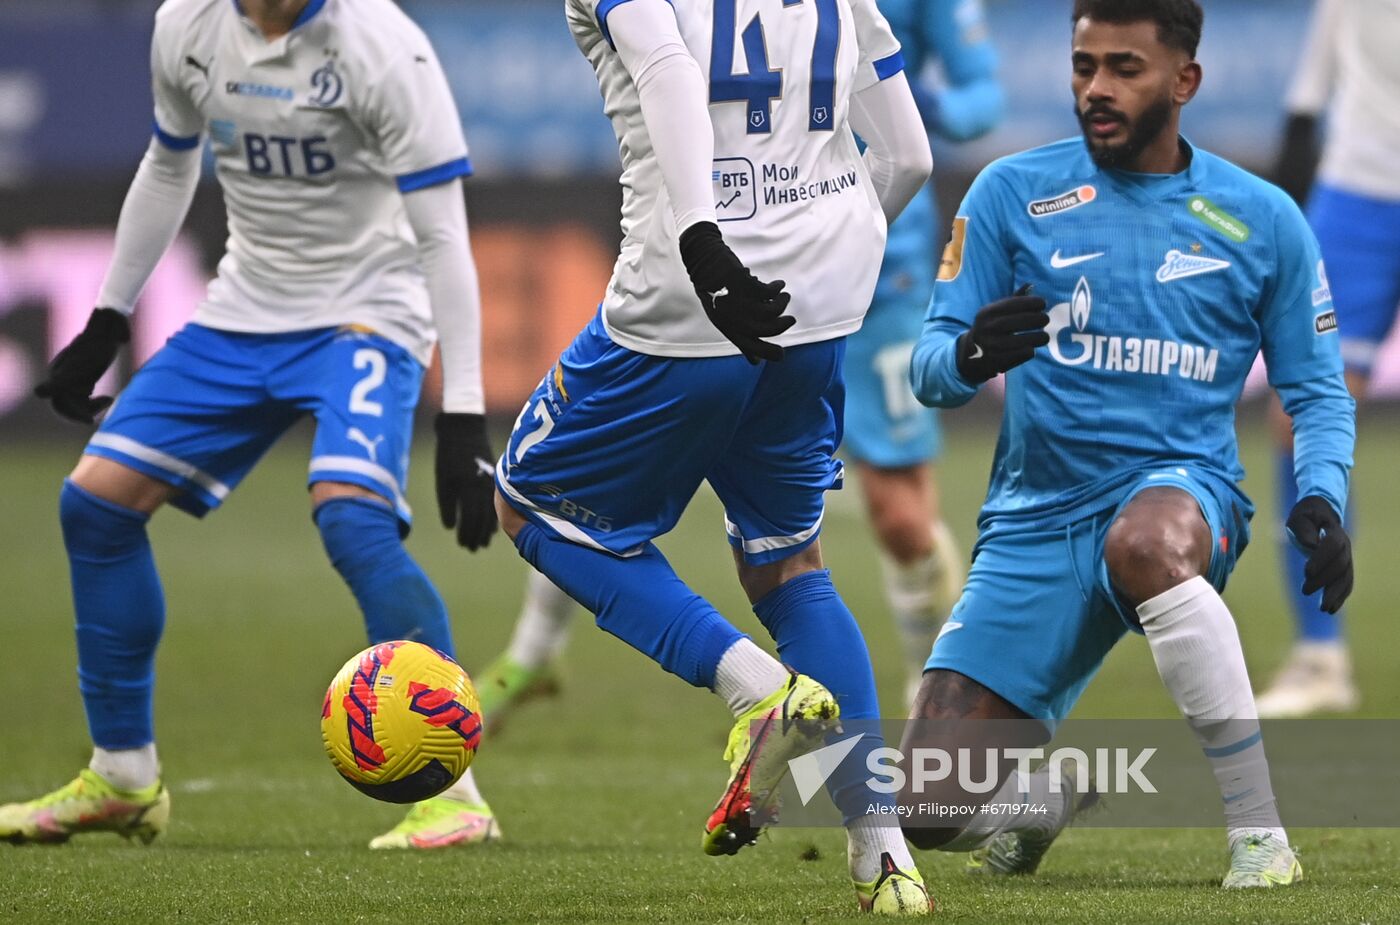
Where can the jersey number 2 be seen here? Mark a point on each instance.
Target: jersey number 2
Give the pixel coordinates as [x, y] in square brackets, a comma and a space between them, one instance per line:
[374, 361]
[758, 88]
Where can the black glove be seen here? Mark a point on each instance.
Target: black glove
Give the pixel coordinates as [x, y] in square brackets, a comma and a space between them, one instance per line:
[739, 305]
[1004, 335]
[76, 369]
[1318, 530]
[1298, 158]
[466, 490]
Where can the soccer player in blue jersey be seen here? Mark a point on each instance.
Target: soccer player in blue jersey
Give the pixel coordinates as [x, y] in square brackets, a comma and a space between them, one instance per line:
[1147, 275]
[1347, 70]
[890, 437]
[340, 154]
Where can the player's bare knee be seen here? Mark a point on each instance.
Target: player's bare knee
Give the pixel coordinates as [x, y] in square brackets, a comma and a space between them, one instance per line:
[905, 534]
[511, 519]
[1154, 550]
[120, 484]
[760, 580]
[321, 492]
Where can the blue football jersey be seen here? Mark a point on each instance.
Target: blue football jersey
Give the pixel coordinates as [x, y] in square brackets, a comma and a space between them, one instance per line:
[1162, 290]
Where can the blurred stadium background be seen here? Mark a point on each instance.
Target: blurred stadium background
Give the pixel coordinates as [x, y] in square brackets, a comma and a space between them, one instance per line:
[75, 118]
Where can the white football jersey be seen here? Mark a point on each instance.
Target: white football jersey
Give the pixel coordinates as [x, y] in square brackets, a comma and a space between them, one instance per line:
[1352, 62]
[315, 135]
[792, 195]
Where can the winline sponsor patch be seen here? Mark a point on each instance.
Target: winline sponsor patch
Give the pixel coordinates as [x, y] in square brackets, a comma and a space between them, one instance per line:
[1040, 208]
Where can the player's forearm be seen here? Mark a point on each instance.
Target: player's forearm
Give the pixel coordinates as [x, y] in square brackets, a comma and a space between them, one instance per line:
[963, 112]
[151, 216]
[933, 370]
[897, 154]
[674, 104]
[1324, 436]
[439, 220]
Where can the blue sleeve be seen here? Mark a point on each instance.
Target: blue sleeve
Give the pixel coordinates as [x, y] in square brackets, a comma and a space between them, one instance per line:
[1298, 330]
[977, 268]
[972, 102]
[1324, 432]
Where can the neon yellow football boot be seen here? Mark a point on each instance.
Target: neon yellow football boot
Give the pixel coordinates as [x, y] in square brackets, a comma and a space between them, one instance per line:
[895, 892]
[783, 725]
[504, 685]
[88, 803]
[441, 823]
[1260, 862]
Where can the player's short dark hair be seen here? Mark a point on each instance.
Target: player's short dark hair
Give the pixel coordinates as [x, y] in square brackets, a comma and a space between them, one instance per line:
[1178, 22]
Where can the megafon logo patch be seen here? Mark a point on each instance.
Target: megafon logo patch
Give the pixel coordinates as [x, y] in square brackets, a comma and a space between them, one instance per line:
[1075, 198]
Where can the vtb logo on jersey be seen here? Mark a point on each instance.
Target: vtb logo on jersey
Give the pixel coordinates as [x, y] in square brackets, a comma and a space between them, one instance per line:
[1148, 356]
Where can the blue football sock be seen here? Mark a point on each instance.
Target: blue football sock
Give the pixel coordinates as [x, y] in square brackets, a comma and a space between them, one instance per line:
[1314, 624]
[120, 615]
[398, 601]
[817, 636]
[639, 599]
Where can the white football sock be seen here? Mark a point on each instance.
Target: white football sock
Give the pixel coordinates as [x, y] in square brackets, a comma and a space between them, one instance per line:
[465, 790]
[909, 589]
[746, 674]
[1197, 650]
[127, 768]
[984, 824]
[543, 626]
[867, 838]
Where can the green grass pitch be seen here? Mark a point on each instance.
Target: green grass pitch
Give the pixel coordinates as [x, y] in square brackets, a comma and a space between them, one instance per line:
[602, 792]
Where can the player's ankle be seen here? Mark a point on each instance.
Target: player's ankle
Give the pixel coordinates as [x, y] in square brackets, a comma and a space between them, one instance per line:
[746, 675]
[127, 769]
[867, 838]
[1233, 834]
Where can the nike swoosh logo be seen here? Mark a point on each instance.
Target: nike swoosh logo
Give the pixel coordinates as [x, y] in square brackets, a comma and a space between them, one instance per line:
[1060, 263]
[976, 353]
[949, 627]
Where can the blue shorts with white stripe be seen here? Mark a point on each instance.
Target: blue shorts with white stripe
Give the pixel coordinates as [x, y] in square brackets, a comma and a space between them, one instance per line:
[613, 444]
[206, 407]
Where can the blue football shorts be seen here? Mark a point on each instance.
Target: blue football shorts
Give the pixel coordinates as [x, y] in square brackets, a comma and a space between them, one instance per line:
[1039, 613]
[885, 424]
[206, 407]
[613, 444]
[1360, 240]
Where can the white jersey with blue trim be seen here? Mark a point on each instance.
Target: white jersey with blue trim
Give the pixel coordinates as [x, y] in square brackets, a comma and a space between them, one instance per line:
[315, 136]
[792, 195]
[1350, 69]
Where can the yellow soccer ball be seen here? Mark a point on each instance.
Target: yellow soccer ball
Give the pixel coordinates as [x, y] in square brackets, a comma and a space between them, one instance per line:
[401, 722]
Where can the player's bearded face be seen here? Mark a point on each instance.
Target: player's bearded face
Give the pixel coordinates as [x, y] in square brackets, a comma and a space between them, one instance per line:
[1116, 138]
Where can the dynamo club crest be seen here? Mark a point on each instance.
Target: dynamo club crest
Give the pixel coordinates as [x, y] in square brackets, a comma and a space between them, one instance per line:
[326, 85]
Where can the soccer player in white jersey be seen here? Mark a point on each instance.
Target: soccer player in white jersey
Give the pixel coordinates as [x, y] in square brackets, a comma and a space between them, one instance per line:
[736, 113]
[340, 154]
[1349, 70]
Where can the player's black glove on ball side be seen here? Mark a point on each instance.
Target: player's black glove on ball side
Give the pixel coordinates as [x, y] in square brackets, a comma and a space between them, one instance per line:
[76, 369]
[744, 309]
[1004, 335]
[1318, 530]
[466, 489]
